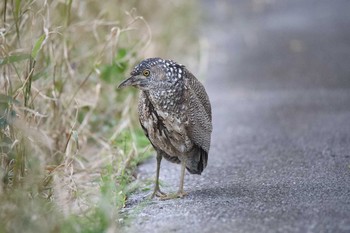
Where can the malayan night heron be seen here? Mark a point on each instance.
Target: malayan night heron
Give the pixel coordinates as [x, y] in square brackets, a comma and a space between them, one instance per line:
[175, 114]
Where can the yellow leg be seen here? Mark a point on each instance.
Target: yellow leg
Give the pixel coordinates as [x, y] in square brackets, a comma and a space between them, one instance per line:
[156, 191]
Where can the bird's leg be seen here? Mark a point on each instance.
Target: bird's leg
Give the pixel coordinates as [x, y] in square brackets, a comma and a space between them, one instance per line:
[156, 191]
[180, 193]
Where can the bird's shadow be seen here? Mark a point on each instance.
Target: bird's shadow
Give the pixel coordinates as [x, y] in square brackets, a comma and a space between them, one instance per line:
[203, 193]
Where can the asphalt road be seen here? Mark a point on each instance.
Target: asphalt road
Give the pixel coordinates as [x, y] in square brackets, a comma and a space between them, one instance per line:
[279, 83]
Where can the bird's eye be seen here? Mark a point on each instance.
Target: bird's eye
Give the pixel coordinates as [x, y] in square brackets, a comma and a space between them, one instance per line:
[146, 73]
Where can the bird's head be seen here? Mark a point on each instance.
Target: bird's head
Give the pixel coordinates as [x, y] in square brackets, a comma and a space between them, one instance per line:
[154, 74]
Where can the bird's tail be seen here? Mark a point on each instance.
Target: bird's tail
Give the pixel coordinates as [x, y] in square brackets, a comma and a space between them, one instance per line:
[197, 161]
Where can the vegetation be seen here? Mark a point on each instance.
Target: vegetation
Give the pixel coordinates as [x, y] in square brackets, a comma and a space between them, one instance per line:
[69, 141]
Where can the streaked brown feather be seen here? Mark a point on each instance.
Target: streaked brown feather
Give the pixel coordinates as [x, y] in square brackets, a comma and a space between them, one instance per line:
[186, 130]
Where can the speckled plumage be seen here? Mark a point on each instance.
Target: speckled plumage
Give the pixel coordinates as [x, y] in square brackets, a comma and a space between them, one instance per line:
[174, 111]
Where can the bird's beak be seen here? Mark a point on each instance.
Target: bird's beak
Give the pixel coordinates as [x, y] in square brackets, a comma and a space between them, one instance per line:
[132, 81]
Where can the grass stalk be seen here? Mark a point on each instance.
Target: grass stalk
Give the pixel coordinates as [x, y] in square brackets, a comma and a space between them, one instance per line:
[69, 145]
[16, 15]
[28, 83]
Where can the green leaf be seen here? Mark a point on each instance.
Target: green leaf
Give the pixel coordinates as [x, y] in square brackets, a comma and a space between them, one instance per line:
[14, 58]
[17, 8]
[5, 99]
[121, 53]
[37, 46]
[113, 73]
[40, 74]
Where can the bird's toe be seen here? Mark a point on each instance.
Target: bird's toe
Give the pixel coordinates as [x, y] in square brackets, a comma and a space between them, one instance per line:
[181, 194]
[158, 193]
[173, 196]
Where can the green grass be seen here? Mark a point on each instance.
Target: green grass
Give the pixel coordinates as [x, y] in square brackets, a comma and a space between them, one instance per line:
[69, 140]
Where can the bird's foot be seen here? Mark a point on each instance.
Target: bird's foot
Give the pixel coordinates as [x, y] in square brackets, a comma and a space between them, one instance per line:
[158, 193]
[170, 196]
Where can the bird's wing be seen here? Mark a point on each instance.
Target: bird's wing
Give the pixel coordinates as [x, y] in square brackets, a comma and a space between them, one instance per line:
[199, 126]
[192, 82]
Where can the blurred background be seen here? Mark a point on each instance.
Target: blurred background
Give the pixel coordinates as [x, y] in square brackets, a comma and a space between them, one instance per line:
[269, 44]
[70, 141]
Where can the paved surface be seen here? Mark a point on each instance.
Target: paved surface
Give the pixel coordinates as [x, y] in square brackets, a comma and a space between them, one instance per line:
[279, 82]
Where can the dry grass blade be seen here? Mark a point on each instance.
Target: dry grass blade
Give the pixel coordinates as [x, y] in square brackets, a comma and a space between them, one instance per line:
[67, 142]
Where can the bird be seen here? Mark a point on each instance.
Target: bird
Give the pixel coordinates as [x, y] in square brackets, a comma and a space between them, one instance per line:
[175, 113]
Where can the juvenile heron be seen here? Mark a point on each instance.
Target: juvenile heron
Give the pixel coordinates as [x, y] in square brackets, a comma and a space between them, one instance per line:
[175, 114]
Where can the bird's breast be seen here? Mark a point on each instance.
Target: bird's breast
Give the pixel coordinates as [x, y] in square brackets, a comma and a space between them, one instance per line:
[166, 130]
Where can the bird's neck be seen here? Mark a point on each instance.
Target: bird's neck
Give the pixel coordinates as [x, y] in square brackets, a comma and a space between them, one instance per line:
[169, 100]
